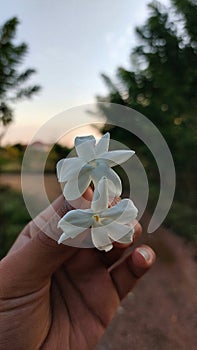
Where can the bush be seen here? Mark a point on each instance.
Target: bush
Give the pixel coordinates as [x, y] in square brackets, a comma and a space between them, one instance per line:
[13, 217]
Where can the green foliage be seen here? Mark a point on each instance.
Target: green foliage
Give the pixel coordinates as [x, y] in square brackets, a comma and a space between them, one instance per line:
[13, 217]
[12, 80]
[11, 158]
[162, 86]
[57, 152]
[181, 219]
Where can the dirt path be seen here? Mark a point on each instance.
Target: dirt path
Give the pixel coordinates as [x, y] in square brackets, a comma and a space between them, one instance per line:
[160, 313]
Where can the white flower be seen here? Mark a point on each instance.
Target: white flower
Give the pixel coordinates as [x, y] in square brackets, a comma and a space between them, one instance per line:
[93, 162]
[106, 224]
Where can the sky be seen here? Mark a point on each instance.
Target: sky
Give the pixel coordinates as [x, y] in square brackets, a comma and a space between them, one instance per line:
[70, 44]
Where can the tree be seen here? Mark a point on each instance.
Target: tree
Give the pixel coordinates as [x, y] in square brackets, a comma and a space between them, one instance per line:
[162, 86]
[12, 80]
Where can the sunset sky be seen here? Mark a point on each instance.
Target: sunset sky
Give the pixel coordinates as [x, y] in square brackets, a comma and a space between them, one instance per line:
[70, 44]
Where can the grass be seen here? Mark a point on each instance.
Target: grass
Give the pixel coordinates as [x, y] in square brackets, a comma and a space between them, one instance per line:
[13, 217]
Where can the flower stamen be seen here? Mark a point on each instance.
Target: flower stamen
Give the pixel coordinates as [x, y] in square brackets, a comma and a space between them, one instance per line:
[96, 217]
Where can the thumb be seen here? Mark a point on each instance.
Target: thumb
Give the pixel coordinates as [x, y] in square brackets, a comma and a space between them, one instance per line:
[35, 256]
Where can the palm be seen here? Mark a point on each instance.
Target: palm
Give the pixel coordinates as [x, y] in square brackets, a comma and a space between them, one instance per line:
[83, 301]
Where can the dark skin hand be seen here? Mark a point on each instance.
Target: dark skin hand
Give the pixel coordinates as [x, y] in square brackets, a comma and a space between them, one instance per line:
[60, 297]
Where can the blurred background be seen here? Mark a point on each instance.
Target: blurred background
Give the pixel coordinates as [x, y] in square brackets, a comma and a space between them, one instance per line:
[58, 54]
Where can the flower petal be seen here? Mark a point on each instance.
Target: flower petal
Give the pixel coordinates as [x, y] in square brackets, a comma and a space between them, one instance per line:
[128, 238]
[117, 157]
[69, 231]
[103, 144]
[74, 223]
[120, 233]
[75, 188]
[68, 168]
[85, 147]
[123, 212]
[82, 240]
[100, 198]
[100, 239]
[80, 218]
[114, 184]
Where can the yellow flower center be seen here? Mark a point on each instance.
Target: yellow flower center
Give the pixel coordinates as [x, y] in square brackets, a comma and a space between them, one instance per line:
[93, 163]
[96, 217]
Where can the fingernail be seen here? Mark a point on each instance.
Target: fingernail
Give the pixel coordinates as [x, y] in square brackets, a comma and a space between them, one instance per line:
[145, 253]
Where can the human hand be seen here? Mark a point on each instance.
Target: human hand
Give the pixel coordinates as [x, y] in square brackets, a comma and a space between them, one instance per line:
[60, 297]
